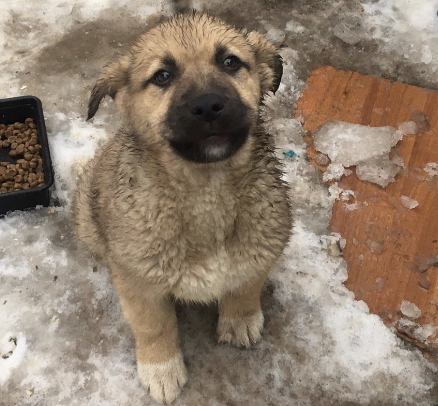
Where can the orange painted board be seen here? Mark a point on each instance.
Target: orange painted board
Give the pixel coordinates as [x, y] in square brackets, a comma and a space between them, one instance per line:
[403, 266]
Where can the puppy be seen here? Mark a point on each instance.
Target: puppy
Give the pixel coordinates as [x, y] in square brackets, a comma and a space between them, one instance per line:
[187, 201]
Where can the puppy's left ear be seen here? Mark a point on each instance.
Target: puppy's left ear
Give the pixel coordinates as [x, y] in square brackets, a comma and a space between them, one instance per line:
[112, 79]
[269, 62]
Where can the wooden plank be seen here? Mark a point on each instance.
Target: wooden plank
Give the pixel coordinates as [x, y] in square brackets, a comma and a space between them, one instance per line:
[384, 279]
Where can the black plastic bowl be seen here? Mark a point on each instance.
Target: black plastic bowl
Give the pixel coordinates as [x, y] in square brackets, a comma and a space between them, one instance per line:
[17, 109]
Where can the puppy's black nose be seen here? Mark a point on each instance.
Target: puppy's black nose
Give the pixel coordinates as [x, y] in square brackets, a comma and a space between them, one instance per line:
[207, 107]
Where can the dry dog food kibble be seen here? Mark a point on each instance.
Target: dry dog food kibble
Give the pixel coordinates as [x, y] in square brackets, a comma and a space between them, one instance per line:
[22, 139]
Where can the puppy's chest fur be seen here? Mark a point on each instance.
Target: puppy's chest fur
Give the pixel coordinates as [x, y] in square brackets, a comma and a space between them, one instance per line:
[188, 246]
[197, 237]
[208, 214]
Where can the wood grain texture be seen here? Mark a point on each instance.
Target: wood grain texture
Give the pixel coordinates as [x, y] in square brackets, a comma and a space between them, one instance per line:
[406, 236]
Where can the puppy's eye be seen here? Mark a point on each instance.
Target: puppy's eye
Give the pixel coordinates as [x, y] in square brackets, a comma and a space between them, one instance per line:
[162, 77]
[232, 62]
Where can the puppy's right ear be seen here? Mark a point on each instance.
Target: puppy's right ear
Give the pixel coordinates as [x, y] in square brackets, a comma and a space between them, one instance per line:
[113, 78]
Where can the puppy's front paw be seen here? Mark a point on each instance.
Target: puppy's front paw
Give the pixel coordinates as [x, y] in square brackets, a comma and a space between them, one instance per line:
[164, 380]
[243, 331]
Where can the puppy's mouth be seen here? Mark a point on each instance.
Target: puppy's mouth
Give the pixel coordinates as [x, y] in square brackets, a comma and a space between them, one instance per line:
[215, 140]
[210, 147]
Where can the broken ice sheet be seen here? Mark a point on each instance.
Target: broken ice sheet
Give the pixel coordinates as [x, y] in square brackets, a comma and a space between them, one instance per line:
[367, 147]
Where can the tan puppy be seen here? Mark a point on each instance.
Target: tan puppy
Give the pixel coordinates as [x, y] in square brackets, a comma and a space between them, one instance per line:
[186, 202]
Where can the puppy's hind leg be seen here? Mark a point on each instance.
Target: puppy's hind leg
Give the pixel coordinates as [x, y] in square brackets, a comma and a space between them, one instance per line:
[240, 315]
[152, 318]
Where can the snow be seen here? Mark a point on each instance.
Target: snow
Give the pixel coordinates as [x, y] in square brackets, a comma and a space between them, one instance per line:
[321, 346]
[414, 29]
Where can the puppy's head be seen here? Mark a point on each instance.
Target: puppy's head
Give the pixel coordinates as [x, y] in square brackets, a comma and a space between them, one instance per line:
[192, 84]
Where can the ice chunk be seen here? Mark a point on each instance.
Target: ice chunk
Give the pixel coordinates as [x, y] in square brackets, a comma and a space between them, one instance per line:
[322, 159]
[408, 202]
[408, 128]
[348, 144]
[346, 34]
[410, 310]
[380, 170]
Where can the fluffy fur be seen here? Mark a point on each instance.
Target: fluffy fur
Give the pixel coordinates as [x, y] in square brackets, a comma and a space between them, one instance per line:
[169, 228]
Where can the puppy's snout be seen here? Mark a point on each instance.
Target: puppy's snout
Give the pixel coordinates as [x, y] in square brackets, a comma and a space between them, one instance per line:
[207, 107]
